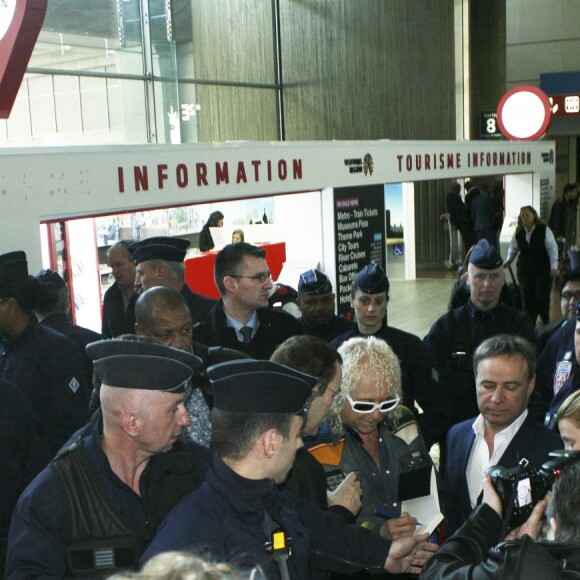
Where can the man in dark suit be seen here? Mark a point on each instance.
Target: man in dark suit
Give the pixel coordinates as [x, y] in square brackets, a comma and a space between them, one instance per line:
[241, 319]
[502, 434]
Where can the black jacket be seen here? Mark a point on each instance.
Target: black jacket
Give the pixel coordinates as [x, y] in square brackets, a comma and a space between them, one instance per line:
[275, 327]
[199, 305]
[452, 341]
[473, 553]
[81, 336]
[49, 369]
[117, 320]
[330, 331]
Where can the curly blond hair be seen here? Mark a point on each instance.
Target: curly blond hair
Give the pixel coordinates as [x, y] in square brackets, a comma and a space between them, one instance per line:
[364, 357]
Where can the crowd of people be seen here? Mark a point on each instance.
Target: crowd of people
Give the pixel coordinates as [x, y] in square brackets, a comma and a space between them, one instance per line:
[198, 430]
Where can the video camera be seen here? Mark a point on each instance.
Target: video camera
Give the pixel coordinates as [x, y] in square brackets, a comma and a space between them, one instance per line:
[520, 488]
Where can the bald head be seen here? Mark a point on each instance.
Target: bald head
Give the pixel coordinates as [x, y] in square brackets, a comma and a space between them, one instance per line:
[148, 420]
[162, 313]
[154, 299]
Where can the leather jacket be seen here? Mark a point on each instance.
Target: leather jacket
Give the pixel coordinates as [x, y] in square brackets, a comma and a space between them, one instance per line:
[474, 553]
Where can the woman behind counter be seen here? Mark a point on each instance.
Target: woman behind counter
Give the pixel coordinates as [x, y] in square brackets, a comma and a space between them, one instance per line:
[537, 264]
[215, 220]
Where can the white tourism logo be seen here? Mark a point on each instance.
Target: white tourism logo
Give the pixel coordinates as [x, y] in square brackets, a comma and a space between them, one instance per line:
[7, 10]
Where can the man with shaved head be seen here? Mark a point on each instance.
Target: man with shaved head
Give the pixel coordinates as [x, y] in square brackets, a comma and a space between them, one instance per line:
[95, 508]
[162, 314]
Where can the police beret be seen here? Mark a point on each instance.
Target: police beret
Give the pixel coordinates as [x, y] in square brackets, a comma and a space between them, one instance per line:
[485, 256]
[259, 386]
[159, 248]
[137, 364]
[13, 266]
[314, 282]
[51, 278]
[371, 279]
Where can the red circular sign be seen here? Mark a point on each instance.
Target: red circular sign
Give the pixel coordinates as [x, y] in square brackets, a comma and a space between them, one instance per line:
[524, 114]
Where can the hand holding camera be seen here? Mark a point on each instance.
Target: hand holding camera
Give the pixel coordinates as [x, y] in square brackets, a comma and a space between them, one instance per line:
[517, 494]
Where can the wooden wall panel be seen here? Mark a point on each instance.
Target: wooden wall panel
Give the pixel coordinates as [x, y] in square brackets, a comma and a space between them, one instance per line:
[431, 239]
[362, 69]
[233, 41]
[487, 55]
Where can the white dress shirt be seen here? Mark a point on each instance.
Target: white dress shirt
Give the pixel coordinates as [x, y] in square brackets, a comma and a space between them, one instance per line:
[479, 458]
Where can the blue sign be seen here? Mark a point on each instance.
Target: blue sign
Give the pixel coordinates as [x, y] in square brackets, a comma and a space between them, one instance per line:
[398, 250]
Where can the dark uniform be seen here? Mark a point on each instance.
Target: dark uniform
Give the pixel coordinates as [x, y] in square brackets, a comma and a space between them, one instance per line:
[117, 319]
[199, 305]
[336, 327]
[81, 336]
[232, 517]
[23, 453]
[419, 379]
[41, 531]
[555, 374]
[452, 341]
[227, 515]
[172, 250]
[78, 517]
[49, 369]
[275, 327]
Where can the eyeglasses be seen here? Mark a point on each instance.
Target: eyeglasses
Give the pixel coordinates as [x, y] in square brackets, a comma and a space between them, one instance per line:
[568, 295]
[262, 277]
[368, 407]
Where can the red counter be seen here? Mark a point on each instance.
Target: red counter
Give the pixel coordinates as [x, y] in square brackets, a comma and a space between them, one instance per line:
[199, 270]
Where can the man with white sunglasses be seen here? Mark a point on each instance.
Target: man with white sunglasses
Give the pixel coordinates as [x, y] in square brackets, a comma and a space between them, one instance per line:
[367, 408]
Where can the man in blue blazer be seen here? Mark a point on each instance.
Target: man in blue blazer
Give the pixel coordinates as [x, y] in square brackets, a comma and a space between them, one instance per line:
[503, 433]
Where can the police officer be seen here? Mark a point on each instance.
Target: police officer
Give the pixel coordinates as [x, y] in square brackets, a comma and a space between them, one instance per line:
[45, 365]
[369, 299]
[316, 302]
[159, 262]
[454, 337]
[55, 314]
[95, 507]
[239, 514]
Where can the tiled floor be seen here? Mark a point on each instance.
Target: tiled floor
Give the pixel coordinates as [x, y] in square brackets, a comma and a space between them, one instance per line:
[414, 305]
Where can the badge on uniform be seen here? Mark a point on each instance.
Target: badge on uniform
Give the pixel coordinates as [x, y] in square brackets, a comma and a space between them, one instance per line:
[563, 369]
[74, 385]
